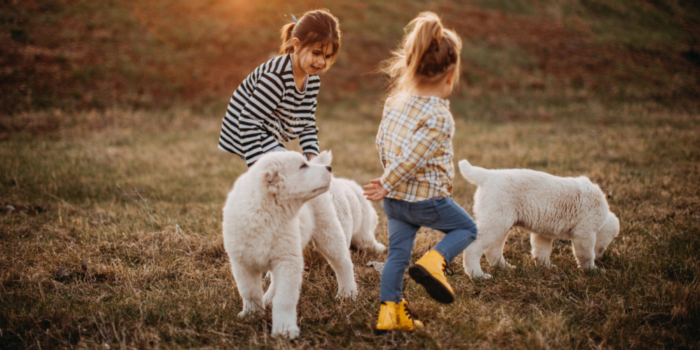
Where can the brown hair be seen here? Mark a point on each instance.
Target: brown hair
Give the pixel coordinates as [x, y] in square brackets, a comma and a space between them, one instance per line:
[313, 27]
[428, 53]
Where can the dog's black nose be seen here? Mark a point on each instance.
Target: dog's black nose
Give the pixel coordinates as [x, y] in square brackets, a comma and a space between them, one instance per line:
[329, 169]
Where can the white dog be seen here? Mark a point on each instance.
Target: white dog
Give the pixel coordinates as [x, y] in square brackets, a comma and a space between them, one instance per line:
[548, 206]
[356, 214]
[273, 211]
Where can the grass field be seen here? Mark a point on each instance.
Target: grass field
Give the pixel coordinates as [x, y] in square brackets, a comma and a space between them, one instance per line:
[115, 239]
[111, 185]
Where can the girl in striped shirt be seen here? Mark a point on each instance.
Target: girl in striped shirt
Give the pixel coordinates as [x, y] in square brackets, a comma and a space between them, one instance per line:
[277, 102]
[415, 147]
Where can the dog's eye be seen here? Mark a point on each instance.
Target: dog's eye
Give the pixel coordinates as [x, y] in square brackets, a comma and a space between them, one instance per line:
[303, 165]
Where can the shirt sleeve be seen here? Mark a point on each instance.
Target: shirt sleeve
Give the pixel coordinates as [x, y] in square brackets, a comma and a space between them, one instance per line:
[423, 144]
[263, 101]
[308, 138]
[379, 142]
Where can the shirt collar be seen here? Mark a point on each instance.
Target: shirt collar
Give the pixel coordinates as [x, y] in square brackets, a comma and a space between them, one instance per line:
[433, 99]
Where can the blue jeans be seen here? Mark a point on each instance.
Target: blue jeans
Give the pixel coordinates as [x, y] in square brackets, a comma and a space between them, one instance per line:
[404, 220]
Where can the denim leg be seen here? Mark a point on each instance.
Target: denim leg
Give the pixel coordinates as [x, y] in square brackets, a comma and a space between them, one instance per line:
[459, 228]
[402, 238]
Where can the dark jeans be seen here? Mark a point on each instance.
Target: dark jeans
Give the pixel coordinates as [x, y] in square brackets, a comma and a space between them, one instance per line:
[404, 220]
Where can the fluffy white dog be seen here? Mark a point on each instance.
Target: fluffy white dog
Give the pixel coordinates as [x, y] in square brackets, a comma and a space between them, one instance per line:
[356, 214]
[550, 207]
[273, 211]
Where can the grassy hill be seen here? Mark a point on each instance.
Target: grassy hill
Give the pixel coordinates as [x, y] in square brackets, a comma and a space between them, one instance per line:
[158, 53]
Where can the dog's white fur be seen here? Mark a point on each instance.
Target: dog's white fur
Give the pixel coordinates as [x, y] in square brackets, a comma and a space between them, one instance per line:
[550, 207]
[356, 214]
[273, 211]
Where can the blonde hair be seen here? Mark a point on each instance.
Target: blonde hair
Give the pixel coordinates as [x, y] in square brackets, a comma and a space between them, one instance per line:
[318, 26]
[428, 52]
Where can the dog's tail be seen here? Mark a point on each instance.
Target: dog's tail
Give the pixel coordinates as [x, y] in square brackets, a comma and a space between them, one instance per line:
[473, 174]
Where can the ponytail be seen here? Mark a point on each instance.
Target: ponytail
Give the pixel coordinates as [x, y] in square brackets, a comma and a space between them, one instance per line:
[427, 54]
[426, 33]
[286, 36]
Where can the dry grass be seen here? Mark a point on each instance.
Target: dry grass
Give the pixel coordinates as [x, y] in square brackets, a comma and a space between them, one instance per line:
[110, 227]
[115, 237]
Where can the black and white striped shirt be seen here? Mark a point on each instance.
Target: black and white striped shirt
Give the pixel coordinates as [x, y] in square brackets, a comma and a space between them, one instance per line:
[267, 110]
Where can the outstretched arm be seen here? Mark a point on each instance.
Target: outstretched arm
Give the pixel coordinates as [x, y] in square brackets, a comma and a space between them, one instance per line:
[374, 191]
[308, 139]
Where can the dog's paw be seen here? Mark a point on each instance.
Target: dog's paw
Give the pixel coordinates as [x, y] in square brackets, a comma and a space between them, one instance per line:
[587, 265]
[250, 308]
[347, 294]
[248, 313]
[479, 275]
[543, 262]
[379, 248]
[289, 331]
[482, 277]
[501, 263]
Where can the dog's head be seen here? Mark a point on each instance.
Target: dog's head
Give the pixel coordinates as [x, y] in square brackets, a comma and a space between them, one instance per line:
[288, 176]
[610, 230]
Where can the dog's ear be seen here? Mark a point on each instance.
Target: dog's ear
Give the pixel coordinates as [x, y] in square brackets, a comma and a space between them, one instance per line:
[272, 179]
[324, 158]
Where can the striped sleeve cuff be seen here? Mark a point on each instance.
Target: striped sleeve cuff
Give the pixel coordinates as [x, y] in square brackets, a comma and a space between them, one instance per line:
[253, 155]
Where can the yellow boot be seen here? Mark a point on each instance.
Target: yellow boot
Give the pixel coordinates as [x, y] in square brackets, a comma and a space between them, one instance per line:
[429, 271]
[396, 317]
[387, 317]
[406, 322]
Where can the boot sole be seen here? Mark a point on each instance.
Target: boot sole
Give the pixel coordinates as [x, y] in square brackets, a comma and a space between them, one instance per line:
[432, 285]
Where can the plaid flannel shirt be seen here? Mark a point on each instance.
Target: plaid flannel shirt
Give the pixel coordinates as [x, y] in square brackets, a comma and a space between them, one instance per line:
[415, 146]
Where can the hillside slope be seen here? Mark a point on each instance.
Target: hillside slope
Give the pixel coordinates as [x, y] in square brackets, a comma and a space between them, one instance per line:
[98, 54]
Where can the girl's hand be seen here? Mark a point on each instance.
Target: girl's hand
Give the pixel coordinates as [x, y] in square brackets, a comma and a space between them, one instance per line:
[374, 191]
[310, 156]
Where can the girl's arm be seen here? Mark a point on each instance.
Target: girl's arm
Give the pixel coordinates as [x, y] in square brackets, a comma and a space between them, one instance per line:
[414, 155]
[379, 144]
[260, 107]
[374, 190]
[308, 139]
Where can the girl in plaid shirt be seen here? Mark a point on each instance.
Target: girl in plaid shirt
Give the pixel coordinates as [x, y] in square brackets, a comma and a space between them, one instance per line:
[415, 147]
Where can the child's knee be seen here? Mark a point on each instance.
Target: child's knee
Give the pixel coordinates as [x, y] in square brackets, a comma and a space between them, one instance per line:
[471, 229]
[399, 256]
[474, 232]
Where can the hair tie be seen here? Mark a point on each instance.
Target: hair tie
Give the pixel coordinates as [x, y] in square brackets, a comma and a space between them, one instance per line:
[294, 18]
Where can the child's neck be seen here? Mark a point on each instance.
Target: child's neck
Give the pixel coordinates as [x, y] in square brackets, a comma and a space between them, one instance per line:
[299, 75]
[437, 90]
